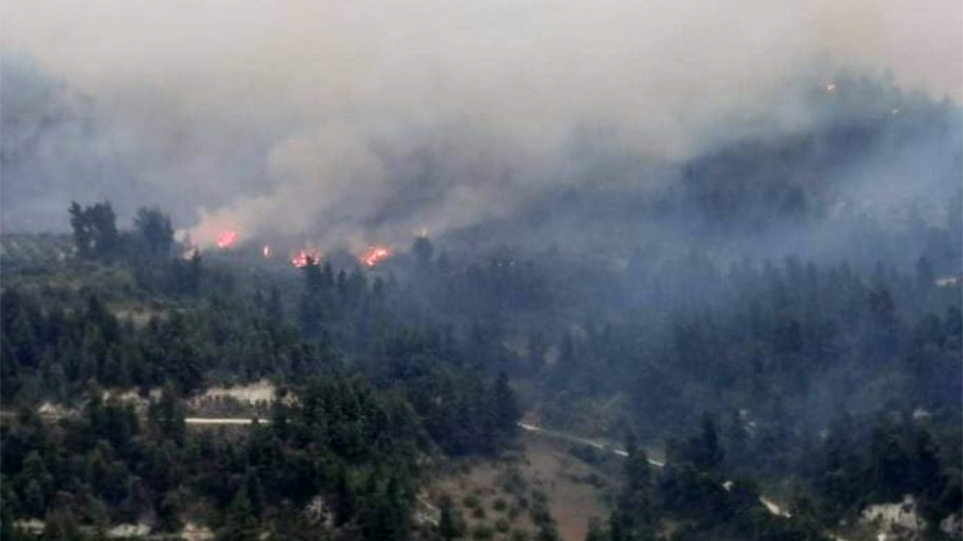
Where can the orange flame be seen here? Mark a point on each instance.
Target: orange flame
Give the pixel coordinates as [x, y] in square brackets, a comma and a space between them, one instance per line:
[375, 255]
[226, 239]
[305, 256]
[266, 251]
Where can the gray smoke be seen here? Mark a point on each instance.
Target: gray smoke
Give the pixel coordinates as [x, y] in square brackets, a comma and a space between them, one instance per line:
[365, 122]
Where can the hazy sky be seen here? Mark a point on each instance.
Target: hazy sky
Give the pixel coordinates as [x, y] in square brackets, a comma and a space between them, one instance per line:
[358, 46]
[317, 93]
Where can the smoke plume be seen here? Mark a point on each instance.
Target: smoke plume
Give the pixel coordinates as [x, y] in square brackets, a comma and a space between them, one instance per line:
[360, 122]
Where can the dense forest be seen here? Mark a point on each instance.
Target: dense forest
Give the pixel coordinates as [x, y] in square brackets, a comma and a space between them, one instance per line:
[759, 341]
[834, 385]
[378, 399]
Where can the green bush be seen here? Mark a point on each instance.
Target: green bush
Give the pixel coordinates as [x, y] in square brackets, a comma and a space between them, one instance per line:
[481, 531]
[519, 535]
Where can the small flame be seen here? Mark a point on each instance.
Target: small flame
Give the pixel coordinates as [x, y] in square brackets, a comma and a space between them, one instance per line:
[266, 251]
[375, 255]
[226, 239]
[305, 256]
[894, 111]
[831, 87]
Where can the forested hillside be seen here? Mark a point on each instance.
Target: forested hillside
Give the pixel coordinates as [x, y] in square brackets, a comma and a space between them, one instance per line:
[830, 387]
[605, 290]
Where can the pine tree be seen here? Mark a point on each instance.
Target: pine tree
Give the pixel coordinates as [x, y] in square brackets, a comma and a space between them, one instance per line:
[507, 412]
[548, 532]
[154, 232]
[194, 272]
[33, 499]
[240, 523]
[450, 524]
[254, 492]
[61, 526]
[423, 251]
[167, 415]
[634, 517]
[344, 497]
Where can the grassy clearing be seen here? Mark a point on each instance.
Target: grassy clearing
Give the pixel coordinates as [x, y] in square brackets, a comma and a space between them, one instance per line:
[507, 499]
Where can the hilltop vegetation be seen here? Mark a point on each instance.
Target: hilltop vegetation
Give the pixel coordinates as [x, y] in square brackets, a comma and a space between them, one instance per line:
[762, 318]
[373, 401]
[831, 386]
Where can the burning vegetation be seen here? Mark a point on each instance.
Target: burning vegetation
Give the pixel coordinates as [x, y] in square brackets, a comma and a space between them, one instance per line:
[375, 255]
[227, 239]
[748, 268]
[305, 256]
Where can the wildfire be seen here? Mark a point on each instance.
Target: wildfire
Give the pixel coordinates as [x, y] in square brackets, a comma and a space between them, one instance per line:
[375, 255]
[831, 87]
[266, 251]
[226, 239]
[305, 256]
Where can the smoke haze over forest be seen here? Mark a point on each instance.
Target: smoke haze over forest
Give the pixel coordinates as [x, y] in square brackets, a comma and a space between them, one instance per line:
[370, 122]
[542, 270]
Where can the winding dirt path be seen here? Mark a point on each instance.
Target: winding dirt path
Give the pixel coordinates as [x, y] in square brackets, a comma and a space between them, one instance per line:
[770, 505]
[223, 421]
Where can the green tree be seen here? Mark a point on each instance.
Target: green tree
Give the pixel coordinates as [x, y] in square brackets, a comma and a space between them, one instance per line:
[95, 230]
[154, 232]
[634, 517]
[167, 415]
[507, 412]
[61, 526]
[240, 523]
[169, 511]
[33, 499]
[548, 532]
[705, 451]
[450, 525]
[596, 532]
[423, 251]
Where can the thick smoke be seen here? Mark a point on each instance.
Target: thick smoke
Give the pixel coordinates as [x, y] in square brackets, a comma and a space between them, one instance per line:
[351, 123]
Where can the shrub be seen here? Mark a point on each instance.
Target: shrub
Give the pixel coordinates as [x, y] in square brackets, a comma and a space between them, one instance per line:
[519, 535]
[481, 531]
